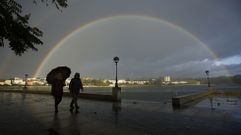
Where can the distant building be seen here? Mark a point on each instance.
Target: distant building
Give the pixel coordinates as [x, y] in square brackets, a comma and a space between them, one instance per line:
[7, 82]
[1, 82]
[18, 81]
[138, 82]
[111, 81]
[198, 83]
[35, 82]
[132, 82]
[167, 78]
[87, 78]
[179, 82]
[122, 81]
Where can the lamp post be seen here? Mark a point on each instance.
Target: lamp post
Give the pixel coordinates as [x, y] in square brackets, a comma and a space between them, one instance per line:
[116, 91]
[26, 77]
[116, 60]
[207, 73]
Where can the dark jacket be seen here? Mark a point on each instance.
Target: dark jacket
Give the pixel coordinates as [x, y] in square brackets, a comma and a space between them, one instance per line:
[75, 85]
[57, 88]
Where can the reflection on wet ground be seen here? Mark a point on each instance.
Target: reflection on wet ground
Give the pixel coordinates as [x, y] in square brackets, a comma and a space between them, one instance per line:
[34, 114]
[227, 104]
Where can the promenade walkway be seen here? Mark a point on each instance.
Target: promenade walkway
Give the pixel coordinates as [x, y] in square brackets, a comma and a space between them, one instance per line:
[33, 114]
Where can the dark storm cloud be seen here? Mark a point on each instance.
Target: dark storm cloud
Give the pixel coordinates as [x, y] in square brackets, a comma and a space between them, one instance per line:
[234, 69]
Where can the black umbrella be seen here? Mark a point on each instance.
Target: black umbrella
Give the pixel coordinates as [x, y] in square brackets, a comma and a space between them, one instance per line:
[63, 70]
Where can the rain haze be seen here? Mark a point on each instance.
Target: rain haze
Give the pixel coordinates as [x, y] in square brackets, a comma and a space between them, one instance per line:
[152, 38]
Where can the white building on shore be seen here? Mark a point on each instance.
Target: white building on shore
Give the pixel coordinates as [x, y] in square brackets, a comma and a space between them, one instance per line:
[18, 81]
[167, 78]
[133, 82]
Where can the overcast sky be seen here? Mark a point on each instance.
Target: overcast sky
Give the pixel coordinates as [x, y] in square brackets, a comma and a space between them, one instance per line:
[152, 38]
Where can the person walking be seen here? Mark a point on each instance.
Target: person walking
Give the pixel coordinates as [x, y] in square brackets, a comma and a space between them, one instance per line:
[57, 90]
[75, 86]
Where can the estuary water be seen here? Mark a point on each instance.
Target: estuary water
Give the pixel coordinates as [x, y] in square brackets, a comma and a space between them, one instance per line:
[142, 93]
[160, 93]
[162, 96]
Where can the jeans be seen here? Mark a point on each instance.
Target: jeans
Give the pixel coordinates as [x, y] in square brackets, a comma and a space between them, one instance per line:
[74, 101]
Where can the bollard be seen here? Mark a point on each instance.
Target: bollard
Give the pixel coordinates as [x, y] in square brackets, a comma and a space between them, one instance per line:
[210, 89]
[116, 94]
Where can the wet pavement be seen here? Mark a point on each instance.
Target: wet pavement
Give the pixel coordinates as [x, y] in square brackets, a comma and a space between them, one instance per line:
[34, 114]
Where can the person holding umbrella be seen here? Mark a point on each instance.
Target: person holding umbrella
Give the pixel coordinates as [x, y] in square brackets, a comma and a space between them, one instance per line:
[75, 86]
[56, 78]
[57, 90]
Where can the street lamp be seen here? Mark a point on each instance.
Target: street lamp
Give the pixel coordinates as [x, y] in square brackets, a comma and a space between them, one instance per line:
[26, 77]
[116, 60]
[207, 73]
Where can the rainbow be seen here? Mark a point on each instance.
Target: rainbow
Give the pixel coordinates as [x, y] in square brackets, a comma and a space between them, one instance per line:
[82, 27]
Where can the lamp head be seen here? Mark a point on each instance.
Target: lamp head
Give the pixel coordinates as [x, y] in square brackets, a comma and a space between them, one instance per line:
[116, 59]
[207, 72]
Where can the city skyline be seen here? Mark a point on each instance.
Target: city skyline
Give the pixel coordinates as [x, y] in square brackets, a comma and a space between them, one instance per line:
[152, 38]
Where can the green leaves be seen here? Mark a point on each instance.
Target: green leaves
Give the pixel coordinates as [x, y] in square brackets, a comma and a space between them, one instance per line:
[15, 29]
